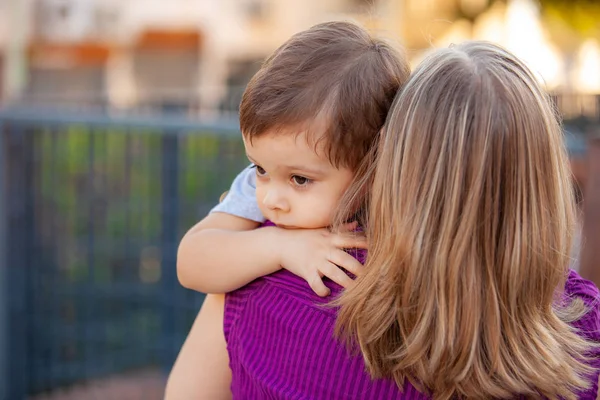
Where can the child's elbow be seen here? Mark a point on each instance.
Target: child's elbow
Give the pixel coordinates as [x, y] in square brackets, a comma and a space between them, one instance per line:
[195, 270]
[182, 275]
[185, 270]
[188, 279]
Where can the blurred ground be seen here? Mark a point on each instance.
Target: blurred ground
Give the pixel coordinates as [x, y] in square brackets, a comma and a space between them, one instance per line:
[139, 385]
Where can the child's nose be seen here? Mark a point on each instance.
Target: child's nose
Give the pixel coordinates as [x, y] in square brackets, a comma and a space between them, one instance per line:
[274, 200]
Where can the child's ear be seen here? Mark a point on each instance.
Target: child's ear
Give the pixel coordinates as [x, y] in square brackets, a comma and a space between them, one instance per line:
[223, 196]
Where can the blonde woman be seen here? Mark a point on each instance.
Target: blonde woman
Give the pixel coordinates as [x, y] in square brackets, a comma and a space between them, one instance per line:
[466, 291]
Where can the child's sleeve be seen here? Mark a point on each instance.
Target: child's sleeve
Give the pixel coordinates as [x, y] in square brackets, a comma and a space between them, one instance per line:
[241, 198]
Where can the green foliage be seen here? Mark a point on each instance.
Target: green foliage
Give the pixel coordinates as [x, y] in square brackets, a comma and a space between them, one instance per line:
[580, 16]
[107, 183]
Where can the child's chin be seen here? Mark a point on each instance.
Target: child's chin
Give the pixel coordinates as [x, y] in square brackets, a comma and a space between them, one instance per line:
[289, 226]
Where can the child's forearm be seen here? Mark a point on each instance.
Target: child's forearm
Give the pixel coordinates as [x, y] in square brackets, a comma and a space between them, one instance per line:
[219, 261]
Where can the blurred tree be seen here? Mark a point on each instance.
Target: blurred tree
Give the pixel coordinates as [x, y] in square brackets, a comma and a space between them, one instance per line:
[579, 18]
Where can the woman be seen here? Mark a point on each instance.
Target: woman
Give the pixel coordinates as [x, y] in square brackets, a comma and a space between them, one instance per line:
[466, 291]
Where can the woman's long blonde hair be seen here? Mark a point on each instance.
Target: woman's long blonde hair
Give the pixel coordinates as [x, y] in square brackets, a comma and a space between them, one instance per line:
[470, 222]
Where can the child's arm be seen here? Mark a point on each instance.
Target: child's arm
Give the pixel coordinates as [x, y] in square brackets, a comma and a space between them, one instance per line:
[201, 371]
[224, 251]
[216, 255]
[219, 256]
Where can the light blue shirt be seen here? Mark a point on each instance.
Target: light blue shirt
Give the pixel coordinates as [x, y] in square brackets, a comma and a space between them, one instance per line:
[241, 198]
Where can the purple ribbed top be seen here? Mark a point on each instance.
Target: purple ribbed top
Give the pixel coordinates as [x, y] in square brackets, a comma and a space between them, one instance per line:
[281, 344]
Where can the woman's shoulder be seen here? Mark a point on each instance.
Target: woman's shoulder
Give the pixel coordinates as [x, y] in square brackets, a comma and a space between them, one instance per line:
[585, 289]
[588, 325]
[578, 287]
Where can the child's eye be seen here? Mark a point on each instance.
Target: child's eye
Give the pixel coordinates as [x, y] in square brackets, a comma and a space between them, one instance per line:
[300, 180]
[260, 171]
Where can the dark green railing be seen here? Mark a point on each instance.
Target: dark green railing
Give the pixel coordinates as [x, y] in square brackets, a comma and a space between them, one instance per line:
[93, 208]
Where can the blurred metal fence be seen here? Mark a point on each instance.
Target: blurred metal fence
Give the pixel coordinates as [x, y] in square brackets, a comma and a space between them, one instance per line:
[91, 211]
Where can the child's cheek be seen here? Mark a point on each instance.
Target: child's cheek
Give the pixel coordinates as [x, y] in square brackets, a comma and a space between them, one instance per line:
[259, 198]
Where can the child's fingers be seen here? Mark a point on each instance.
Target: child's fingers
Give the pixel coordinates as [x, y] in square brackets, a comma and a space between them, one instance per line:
[317, 285]
[346, 261]
[350, 241]
[349, 227]
[334, 273]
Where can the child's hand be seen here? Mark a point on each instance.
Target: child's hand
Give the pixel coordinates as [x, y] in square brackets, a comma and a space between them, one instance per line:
[314, 253]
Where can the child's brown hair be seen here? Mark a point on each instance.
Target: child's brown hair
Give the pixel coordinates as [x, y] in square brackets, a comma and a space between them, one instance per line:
[334, 81]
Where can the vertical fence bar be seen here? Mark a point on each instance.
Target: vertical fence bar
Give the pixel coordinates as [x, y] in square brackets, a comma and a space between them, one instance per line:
[28, 246]
[35, 268]
[56, 297]
[4, 301]
[20, 225]
[130, 276]
[85, 309]
[170, 217]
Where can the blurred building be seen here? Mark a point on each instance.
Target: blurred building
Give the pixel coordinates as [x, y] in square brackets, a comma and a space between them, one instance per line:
[197, 55]
[181, 53]
[152, 53]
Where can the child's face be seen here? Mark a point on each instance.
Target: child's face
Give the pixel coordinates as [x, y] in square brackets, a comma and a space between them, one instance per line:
[296, 185]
